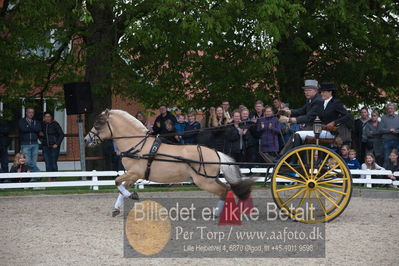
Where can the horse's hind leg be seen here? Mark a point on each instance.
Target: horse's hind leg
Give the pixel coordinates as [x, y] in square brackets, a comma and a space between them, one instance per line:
[213, 186]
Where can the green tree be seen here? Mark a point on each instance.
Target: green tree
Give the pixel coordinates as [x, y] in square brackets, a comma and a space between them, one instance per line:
[353, 43]
[196, 53]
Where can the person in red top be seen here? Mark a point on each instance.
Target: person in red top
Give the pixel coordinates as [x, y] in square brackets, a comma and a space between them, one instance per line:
[20, 166]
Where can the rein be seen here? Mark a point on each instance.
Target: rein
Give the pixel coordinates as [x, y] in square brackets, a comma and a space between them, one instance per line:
[207, 129]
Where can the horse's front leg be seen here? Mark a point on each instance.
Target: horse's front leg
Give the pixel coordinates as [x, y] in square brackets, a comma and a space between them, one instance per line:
[129, 179]
[123, 182]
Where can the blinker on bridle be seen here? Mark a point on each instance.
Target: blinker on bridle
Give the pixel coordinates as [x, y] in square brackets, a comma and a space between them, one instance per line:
[96, 134]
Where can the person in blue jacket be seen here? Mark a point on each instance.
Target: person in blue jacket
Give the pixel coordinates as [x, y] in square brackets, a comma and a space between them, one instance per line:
[180, 126]
[352, 162]
[192, 129]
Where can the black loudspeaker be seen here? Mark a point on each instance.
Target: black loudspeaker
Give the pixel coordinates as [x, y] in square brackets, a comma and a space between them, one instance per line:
[78, 98]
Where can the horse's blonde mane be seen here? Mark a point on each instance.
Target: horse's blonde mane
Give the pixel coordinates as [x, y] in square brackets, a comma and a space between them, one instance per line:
[131, 119]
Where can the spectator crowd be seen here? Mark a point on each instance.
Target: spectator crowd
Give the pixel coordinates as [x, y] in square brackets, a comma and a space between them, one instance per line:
[244, 133]
[32, 132]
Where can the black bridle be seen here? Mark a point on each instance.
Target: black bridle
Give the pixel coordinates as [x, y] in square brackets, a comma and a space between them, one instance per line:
[96, 134]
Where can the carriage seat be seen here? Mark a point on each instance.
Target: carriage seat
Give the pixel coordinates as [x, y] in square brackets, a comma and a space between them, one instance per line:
[312, 140]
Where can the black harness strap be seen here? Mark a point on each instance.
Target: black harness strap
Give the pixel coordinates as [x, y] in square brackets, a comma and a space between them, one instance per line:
[202, 164]
[201, 158]
[133, 149]
[153, 152]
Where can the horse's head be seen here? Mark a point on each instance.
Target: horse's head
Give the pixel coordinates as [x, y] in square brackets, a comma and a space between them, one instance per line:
[101, 130]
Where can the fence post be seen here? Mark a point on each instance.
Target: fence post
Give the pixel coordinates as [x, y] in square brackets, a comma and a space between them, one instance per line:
[368, 177]
[94, 179]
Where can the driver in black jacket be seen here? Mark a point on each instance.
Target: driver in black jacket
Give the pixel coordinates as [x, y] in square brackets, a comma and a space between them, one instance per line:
[306, 114]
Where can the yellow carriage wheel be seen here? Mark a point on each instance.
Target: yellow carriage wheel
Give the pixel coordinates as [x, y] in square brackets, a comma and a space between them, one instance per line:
[311, 184]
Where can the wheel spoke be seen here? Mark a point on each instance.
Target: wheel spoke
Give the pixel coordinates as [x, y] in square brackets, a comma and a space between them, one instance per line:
[293, 197]
[290, 188]
[333, 190]
[331, 181]
[303, 199]
[327, 196]
[290, 178]
[327, 176]
[321, 166]
[321, 203]
[311, 163]
[294, 170]
[326, 173]
[303, 166]
[332, 185]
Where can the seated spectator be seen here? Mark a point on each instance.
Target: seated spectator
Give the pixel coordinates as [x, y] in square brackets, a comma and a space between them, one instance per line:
[235, 138]
[269, 129]
[337, 145]
[169, 136]
[143, 119]
[140, 116]
[370, 164]
[392, 164]
[180, 127]
[192, 129]
[353, 163]
[345, 153]
[371, 138]
[159, 124]
[331, 163]
[20, 166]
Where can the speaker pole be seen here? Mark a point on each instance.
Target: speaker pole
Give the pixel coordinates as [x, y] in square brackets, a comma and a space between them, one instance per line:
[81, 145]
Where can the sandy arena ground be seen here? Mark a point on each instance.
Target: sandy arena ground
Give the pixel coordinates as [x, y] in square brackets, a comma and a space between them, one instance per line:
[78, 230]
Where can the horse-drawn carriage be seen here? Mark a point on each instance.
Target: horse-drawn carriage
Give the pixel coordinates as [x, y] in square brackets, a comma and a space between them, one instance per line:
[305, 176]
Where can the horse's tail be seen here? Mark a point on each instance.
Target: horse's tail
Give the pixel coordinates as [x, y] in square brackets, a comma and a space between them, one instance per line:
[232, 174]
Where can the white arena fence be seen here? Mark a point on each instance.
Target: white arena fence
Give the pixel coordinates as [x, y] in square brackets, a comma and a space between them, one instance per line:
[94, 183]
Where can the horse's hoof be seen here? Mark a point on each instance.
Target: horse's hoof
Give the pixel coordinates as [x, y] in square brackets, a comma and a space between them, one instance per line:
[116, 212]
[134, 196]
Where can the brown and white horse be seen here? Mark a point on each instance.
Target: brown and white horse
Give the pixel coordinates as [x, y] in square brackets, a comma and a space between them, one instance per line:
[127, 132]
